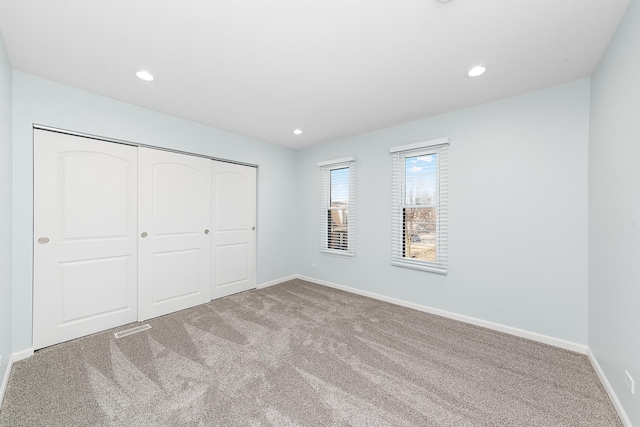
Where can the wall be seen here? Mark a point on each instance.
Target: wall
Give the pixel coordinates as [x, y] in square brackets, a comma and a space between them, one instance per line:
[614, 212]
[5, 210]
[517, 213]
[46, 103]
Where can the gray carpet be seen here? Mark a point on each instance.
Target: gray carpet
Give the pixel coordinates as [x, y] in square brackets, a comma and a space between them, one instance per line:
[300, 354]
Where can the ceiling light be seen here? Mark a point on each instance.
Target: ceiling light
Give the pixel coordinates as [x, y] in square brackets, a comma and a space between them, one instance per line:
[144, 75]
[476, 71]
[297, 131]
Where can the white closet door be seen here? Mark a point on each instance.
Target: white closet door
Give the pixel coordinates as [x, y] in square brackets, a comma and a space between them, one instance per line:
[174, 245]
[234, 223]
[85, 230]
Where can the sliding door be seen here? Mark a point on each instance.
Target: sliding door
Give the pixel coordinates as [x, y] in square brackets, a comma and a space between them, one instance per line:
[127, 233]
[174, 265]
[85, 221]
[234, 224]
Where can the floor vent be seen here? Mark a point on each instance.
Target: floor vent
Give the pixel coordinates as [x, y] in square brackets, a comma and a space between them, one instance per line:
[131, 331]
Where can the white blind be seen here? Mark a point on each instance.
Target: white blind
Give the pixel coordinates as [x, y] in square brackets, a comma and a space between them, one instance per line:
[337, 206]
[419, 229]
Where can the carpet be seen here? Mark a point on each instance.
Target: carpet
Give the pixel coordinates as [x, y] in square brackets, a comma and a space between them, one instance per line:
[301, 354]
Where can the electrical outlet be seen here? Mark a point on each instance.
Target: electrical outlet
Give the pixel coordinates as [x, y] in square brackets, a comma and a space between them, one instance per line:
[314, 265]
[628, 380]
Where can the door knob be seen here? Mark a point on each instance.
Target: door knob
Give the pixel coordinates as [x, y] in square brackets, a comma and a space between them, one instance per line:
[253, 229]
[206, 231]
[143, 234]
[43, 240]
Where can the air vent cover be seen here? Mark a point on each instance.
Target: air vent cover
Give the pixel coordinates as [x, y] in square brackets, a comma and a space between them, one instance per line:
[131, 331]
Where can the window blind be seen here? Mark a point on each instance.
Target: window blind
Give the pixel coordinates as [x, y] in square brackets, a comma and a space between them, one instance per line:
[337, 206]
[419, 228]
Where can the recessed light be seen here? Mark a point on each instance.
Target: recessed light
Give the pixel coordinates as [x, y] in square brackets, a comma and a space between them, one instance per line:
[444, 1]
[476, 71]
[297, 131]
[144, 75]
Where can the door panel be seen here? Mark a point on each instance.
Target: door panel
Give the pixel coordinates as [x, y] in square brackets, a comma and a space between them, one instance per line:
[105, 215]
[105, 292]
[176, 206]
[232, 263]
[233, 207]
[174, 212]
[234, 221]
[85, 204]
[175, 275]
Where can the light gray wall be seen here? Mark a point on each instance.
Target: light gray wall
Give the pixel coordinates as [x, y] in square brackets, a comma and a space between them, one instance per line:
[517, 213]
[614, 212]
[43, 102]
[5, 208]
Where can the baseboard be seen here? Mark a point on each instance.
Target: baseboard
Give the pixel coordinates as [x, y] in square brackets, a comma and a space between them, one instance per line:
[275, 282]
[5, 378]
[568, 345]
[556, 342]
[24, 354]
[13, 358]
[607, 386]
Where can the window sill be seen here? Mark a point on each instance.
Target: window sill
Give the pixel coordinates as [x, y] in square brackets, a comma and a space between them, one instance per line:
[420, 266]
[341, 254]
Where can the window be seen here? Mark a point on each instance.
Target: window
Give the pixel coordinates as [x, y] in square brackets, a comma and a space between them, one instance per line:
[337, 206]
[419, 206]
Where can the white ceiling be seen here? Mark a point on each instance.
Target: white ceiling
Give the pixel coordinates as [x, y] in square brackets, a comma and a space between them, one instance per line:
[333, 68]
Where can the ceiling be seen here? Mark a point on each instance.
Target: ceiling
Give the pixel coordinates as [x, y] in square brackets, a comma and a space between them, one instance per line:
[333, 68]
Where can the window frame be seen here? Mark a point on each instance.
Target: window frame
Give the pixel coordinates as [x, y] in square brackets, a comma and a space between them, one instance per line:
[439, 147]
[326, 168]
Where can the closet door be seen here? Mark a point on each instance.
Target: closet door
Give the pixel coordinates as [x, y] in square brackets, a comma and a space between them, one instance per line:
[234, 224]
[85, 237]
[174, 248]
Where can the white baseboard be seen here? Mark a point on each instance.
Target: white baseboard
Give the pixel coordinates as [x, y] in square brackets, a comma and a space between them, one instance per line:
[13, 358]
[534, 336]
[568, 345]
[5, 379]
[275, 282]
[24, 354]
[607, 386]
